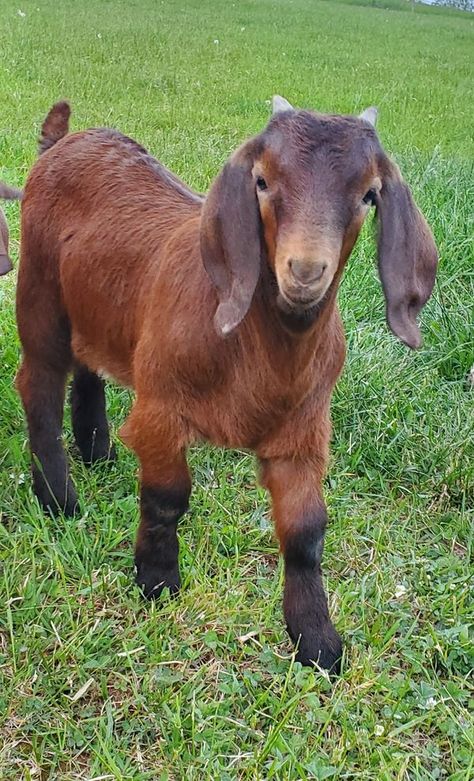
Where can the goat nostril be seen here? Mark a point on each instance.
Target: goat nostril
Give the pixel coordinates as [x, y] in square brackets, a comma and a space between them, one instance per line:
[306, 271]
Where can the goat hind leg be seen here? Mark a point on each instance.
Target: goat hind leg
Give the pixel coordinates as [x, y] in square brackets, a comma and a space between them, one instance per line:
[89, 417]
[42, 390]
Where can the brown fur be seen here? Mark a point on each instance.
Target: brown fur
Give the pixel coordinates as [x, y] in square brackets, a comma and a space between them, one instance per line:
[122, 270]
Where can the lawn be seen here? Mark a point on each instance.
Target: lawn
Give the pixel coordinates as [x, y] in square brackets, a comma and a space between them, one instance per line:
[96, 684]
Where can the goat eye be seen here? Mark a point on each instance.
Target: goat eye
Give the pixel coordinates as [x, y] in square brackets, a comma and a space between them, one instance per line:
[261, 183]
[369, 197]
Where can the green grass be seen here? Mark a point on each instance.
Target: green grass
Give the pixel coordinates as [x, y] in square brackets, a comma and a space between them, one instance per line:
[93, 682]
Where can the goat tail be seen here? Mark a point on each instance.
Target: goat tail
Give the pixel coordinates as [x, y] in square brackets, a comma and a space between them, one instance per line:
[8, 193]
[55, 126]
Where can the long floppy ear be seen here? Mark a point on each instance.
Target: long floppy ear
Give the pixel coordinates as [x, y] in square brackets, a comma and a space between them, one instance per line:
[230, 240]
[407, 256]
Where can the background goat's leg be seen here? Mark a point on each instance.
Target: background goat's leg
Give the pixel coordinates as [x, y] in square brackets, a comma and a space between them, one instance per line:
[300, 521]
[164, 496]
[42, 390]
[89, 417]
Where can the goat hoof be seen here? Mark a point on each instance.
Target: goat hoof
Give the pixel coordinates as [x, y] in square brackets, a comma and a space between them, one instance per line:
[100, 453]
[65, 503]
[152, 582]
[70, 507]
[321, 647]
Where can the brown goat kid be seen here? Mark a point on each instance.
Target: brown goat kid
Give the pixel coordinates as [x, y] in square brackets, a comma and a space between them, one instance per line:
[9, 194]
[124, 270]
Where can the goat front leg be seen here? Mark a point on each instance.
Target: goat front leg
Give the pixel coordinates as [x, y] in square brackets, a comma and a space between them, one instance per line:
[164, 495]
[300, 521]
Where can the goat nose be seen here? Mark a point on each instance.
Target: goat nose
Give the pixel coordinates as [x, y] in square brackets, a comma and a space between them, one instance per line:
[306, 271]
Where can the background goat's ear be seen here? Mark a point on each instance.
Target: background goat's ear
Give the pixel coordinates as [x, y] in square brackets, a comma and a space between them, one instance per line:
[230, 242]
[5, 265]
[407, 257]
[5, 262]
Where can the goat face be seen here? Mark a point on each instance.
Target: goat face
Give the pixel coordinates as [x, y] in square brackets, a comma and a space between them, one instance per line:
[296, 197]
[314, 182]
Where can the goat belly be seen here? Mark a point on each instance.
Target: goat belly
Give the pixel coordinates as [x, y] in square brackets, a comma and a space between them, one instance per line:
[106, 363]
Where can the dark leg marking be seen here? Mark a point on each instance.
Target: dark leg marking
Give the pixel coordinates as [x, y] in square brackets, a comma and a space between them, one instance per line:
[304, 603]
[89, 418]
[157, 547]
[42, 391]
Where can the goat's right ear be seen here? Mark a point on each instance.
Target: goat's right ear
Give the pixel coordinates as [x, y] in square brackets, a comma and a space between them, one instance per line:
[230, 241]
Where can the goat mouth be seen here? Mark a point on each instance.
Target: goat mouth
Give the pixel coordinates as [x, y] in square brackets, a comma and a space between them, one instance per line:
[297, 303]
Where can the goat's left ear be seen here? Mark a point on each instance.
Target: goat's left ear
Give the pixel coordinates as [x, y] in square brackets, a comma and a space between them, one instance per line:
[407, 256]
[230, 241]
